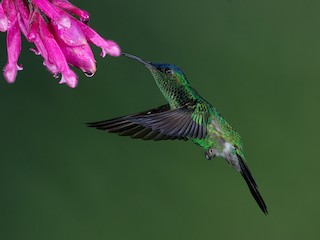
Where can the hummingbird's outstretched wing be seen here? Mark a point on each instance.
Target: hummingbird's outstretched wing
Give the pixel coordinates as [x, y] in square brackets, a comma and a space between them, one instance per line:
[246, 174]
[124, 126]
[161, 123]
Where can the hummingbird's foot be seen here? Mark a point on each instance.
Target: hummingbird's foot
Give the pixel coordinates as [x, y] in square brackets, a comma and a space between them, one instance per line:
[209, 154]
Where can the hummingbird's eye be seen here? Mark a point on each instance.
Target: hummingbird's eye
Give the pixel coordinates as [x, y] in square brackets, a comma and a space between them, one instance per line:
[168, 71]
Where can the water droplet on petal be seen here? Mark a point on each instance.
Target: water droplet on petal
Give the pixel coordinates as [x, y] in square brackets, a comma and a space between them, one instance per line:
[88, 74]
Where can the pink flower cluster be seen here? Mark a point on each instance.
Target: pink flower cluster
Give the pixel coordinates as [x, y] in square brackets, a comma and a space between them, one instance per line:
[60, 34]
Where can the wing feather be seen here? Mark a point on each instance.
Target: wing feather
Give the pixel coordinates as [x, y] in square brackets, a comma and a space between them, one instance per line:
[161, 123]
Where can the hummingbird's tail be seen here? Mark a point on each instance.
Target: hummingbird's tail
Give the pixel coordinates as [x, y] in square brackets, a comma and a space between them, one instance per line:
[246, 174]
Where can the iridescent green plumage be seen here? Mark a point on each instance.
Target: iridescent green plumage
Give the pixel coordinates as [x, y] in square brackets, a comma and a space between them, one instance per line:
[187, 116]
[178, 92]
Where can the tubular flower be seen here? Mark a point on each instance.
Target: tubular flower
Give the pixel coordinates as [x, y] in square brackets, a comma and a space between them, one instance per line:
[60, 34]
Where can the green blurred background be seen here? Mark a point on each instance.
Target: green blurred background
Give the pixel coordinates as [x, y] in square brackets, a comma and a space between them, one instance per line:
[256, 61]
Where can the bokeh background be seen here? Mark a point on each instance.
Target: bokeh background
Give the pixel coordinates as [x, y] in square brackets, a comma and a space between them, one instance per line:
[256, 61]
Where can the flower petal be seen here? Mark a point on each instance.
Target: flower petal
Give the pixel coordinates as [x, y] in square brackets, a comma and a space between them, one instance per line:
[3, 20]
[73, 35]
[33, 30]
[48, 9]
[10, 72]
[23, 16]
[70, 8]
[70, 78]
[56, 56]
[107, 46]
[13, 45]
[40, 49]
[80, 57]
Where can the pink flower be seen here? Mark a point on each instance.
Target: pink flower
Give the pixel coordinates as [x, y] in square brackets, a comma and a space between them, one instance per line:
[59, 37]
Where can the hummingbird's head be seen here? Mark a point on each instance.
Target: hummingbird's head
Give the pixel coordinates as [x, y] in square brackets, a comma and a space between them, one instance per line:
[168, 75]
[166, 70]
[170, 80]
[162, 72]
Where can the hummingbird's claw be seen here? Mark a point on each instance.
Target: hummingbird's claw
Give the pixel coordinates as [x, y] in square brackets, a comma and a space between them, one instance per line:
[209, 154]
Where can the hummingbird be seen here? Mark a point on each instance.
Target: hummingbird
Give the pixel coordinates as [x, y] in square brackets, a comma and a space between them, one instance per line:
[186, 116]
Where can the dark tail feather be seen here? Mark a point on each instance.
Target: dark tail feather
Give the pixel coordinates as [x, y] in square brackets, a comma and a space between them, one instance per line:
[245, 172]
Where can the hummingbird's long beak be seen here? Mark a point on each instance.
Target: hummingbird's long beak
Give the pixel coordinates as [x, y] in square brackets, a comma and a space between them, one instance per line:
[146, 63]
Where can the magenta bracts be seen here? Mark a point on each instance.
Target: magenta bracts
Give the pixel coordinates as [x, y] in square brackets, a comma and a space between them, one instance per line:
[60, 34]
